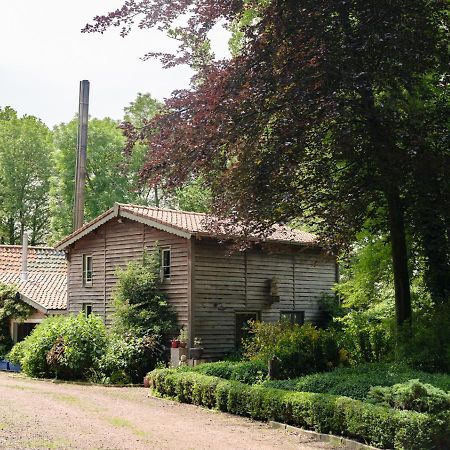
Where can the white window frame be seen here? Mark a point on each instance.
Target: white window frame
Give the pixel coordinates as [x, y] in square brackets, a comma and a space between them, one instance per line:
[87, 281]
[163, 275]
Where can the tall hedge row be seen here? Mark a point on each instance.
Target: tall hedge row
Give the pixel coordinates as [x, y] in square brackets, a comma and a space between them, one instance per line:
[376, 425]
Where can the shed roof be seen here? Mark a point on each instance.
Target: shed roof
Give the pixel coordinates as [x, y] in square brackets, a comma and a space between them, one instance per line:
[182, 223]
[46, 285]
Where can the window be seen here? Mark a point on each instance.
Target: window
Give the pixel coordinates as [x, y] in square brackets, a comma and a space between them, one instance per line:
[294, 317]
[87, 270]
[165, 263]
[87, 309]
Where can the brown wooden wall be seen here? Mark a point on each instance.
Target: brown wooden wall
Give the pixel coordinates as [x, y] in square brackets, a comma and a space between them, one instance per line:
[224, 284]
[113, 245]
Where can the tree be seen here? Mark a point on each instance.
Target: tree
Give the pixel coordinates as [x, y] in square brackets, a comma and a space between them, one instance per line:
[25, 169]
[112, 176]
[316, 117]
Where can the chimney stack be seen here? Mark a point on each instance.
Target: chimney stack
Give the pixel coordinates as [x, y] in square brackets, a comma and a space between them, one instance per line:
[80, 169]
[24, 272]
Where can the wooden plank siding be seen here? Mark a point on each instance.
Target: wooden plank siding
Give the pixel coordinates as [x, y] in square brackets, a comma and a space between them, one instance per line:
[225, 284]
[113, 245]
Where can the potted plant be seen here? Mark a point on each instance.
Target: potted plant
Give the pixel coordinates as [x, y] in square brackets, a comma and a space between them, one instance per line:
[183, 338]
[174, 343]
[196, 351]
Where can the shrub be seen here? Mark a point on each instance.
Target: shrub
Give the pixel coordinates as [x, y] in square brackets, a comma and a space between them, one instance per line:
[412, 395]
[63, 346]
[301, 349]
[374, 424]
[248, 372]
[127, 359]
[140, 307]
[356, 382]
[366, 335]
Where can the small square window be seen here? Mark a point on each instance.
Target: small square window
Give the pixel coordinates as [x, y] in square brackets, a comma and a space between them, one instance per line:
[165, 263]
[293, 317]
[88, 273]
[87, 309]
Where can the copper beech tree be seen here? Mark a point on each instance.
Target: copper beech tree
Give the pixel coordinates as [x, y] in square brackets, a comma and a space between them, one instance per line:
[334, 112]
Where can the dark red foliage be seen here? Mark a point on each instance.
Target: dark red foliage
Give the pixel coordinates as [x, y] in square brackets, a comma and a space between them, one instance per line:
[314, 119]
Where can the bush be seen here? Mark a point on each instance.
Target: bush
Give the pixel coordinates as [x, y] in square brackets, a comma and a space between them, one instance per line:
[301, 349]
[127, 359]
[249, 372]
[10, 308]
[412, 395]
[140, 307]
[377, 425]
[356, 382]
[64, 346]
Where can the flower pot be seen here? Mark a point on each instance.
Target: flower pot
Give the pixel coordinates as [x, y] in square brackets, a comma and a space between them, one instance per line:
[196, 353]
[175, 343]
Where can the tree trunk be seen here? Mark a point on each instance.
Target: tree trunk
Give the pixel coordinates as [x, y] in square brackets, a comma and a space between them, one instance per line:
[399, 258]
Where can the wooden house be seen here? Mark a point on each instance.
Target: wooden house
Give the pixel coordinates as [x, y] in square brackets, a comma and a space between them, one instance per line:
[212, 290]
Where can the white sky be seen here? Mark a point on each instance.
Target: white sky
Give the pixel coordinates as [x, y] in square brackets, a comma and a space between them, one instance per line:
[44, 56]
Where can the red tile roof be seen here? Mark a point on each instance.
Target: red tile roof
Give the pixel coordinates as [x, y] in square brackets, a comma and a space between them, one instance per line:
[47, 275]
[190, 223]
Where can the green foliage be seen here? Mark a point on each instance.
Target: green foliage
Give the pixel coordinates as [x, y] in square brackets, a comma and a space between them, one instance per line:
[25, 169]
[128, 358]
[111, 175]
[426, 344]
[412, 395]
[248, 372]
[64, 346]
[376, 425]
[301, 349]
[367, 336]
[140, 111]
[356, 382]
[139, 305]
[10, 308]
[193, 196]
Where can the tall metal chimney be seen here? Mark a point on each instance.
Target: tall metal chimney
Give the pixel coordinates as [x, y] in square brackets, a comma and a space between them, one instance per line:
[80, 169]
[24, 272]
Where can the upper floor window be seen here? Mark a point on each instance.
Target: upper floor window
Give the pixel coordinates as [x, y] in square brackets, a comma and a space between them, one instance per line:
[88, 273]
[165, 263]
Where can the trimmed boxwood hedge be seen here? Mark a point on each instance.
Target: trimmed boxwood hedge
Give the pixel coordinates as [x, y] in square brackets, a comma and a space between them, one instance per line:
[376, 425]
[355, 382]
[248, 372]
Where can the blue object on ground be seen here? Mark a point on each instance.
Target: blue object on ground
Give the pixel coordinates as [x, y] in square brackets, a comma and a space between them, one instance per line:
[6, 365]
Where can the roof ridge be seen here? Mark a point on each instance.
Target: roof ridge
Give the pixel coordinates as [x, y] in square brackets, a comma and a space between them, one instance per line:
[165, 209]
[32, 247]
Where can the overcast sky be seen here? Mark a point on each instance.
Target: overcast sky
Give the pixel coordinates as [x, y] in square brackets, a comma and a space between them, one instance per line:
[44, 56]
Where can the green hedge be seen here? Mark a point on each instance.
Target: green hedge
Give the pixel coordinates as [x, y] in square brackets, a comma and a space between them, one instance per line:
[248, 372]
[356, 382]
[376, 425]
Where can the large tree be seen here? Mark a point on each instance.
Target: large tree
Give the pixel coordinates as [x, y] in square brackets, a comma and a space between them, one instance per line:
[25, 169]
[112, 175]
[335, 112]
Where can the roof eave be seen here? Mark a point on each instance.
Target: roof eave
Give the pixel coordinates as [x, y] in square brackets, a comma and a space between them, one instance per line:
[32, 303]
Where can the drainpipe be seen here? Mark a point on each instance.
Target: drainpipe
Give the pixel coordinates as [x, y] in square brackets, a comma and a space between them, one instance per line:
[24, 272]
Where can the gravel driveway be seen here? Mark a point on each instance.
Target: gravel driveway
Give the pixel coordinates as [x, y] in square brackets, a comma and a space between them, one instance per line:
[45, 415]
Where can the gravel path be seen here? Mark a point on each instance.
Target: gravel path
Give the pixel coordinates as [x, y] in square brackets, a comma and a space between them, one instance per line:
[45, 415]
